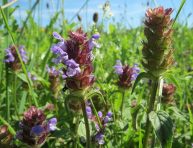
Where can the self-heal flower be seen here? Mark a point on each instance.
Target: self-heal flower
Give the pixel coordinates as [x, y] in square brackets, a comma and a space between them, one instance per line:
[12, 58]
[126, 74]
[34, 128]
[75, 54]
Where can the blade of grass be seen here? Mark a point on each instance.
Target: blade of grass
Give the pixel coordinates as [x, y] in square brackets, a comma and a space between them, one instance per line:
[179, 10]
[8, 4]
[20, 59]
[26, 20]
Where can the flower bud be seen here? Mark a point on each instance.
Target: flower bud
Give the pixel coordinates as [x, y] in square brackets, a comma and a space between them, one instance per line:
[95, 17]
[168, 93]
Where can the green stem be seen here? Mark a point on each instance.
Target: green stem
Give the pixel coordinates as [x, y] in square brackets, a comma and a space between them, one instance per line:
[76, 132]
[122, 103]
[88, 142]
[155, 84]
[7, 94]
[15, 94]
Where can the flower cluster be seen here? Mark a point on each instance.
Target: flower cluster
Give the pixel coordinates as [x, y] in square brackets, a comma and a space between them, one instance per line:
[100, 129]
[126, 74]
[76, 56]
[157, 49]
[34, 127]
[12, 59]
[168, 93]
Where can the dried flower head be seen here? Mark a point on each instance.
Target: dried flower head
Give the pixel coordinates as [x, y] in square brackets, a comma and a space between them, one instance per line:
[12, 59]
[34, 127]
[157, 49]
[126, 74]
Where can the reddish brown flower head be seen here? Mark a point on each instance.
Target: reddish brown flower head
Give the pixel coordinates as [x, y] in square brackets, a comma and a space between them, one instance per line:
[76, 54]
[157, 50]
[168, 93]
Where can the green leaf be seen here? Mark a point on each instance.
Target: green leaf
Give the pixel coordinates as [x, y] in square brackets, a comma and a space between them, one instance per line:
[139, 77]
[22, 76]
[163, 127]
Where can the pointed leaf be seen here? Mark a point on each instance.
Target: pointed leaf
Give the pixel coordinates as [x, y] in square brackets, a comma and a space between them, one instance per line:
[163, 127]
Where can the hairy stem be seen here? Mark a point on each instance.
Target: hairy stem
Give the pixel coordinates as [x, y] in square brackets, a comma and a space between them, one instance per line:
[88, 142]
[15, 94]
[150, 108]
[122, 103]
[7, 95]
[76, 132]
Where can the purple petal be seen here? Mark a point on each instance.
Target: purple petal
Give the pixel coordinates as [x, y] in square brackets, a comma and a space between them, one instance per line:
[100, 138]
[57, 36]
[52, 124]
[100, 114]
[96, 36]
[71, 72]
[71, 63]
[37, 130]
[109, 114]
[118, 67]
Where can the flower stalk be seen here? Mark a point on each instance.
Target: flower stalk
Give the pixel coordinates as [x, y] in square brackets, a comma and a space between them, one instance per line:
[152, 100]
[88, 140]
[157, 53]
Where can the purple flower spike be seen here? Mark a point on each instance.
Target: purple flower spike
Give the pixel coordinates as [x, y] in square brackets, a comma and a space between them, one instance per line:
[52, 124]
[100, 114]
[57, 36]
[96, 36]
[118, 67]
[37, 130]
[100, 138]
